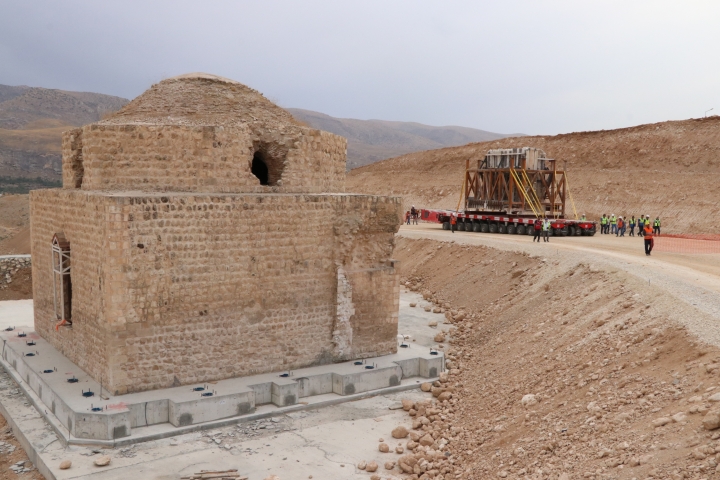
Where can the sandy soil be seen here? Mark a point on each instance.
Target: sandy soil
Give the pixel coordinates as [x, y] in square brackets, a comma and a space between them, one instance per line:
[14, 224]
[580, 358]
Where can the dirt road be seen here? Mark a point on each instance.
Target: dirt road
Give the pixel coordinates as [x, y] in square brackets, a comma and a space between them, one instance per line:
[689, 280]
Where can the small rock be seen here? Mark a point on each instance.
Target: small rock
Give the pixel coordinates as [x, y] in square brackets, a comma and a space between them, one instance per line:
[413, 304]
[375, 477]
[371, 467]
[439, 337]
[362, 465]
[432, 324]
[399, 449]
[715, 397]
[384, 448]
[679, 417]
[389, 465]
[659, 422]
[426, 387]
[102, 461]
[444, 396]
[65, 464]
[711, 420]
[427, 440]
[400, 432]
[407, 404]
[272, 477]
[395, 406]
[528, 400]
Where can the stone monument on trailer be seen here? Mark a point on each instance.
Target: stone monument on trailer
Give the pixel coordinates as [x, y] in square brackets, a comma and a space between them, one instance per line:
[202, 233]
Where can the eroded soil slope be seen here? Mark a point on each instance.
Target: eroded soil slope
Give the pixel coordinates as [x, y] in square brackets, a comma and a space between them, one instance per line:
[562, 371]
[669, 169]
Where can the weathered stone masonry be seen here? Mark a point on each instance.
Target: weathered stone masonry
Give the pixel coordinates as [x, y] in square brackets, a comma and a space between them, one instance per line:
[185, 269]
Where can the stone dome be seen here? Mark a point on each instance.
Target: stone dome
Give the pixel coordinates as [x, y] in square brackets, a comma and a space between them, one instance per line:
[199, 99]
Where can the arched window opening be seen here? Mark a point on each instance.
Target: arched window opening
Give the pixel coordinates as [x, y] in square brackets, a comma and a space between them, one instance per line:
[260, 168]
[62, 286]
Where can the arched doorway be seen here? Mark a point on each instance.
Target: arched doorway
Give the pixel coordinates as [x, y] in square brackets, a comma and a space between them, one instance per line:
[259, 168]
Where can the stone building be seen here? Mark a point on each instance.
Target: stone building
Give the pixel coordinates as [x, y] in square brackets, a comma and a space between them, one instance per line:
[202, 233]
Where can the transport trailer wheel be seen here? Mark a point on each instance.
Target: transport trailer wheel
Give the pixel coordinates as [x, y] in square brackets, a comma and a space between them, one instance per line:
[446, 225]
[484, 227]
[476, 227]
[557, 232]
[493, 228]
[530, 229]
[502, 229]
[578, 231]
[520, 229]
[589, 232]
[511, 229]
[551, 233]
[564, 231]
[461, 226]
[571, 231]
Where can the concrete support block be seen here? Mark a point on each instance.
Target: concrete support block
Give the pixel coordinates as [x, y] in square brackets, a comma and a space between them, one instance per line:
[149, 413]
[431, 366]
[284, 392]
[367, 380]
[101, 426]
[206, 409]
[315, 385]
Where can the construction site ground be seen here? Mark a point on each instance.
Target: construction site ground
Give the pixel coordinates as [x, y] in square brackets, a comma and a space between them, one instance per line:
[323, 444]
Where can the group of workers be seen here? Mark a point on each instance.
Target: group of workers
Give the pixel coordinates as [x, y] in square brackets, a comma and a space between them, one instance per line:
[412, 214]
[646, 228]
[617, 225]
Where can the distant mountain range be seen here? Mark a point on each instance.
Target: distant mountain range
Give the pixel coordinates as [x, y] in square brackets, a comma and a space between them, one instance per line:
[31, 124]
[370, 141]
[32, 120]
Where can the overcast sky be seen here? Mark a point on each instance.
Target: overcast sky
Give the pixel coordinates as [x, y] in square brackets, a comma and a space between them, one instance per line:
[536, 67]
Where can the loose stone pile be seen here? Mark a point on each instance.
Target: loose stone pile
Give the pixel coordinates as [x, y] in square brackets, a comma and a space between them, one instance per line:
[9, 267]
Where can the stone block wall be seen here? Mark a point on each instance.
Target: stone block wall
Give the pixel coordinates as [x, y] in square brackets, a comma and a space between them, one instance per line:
[180, 158]
[183, 288]
[83, 218]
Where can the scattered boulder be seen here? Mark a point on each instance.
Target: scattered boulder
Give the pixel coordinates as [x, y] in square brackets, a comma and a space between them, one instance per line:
[711, 420]
[439, 337]
[426, 387]
[400, 432]
[413, 304]
[427, 440]
[102, 461]
[399, 449]
[384, 448]
[371, 467]
[407, 404]
[389, 465]
[528, 400]
[444, 396]
[362, 465]
[659, 422]
[432, 324]
[679, 417]
[375, 477]
[65, 464]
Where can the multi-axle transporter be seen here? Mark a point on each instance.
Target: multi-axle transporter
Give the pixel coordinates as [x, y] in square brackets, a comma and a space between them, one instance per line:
[507, 190]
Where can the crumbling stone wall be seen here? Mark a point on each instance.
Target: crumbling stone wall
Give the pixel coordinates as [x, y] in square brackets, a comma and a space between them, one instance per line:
[186, 288]
[201, 159]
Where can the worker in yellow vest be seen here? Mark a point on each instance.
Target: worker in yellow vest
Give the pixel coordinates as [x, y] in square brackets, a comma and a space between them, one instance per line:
[603, 223]
[656, 226]
[613, 224]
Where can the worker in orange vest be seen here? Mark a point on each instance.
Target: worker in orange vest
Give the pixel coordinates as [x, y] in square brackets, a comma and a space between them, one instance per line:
[453, 223]
[649, 242]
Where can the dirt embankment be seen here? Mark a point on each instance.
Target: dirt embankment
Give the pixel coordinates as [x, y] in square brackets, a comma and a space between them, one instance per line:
[563, 371]
[668, 169]
[14, 224]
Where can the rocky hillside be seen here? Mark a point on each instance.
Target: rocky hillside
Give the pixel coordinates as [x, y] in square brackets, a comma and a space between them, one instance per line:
[667, 169]
[372, 140]
[31, 124]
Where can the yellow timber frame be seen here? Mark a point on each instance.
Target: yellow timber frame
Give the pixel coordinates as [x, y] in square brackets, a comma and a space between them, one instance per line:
[516, 191]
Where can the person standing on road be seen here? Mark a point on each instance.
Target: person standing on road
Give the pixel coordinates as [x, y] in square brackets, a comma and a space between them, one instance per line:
[613, 224]
[407, 217]
[649, 242]
[546, 229]
[656, 226]
[620, 227]
[603, 224]
[632, 226]
[453, 223]
[537, 229]
[641, 226]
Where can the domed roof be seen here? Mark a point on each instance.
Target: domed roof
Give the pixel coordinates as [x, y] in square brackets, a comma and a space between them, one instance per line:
[196, 99]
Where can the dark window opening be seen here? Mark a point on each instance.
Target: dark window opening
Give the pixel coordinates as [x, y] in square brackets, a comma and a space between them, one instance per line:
[260, 168]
